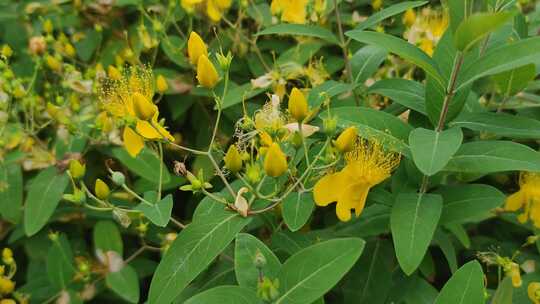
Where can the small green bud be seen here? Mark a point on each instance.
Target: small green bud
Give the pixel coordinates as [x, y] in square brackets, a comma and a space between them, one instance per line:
[118, 178]
[329, 125]
[259, 260]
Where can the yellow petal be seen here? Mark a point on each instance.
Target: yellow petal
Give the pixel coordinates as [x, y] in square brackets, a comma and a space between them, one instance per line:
[535, 213]
[147, 131]
[298, 107]
[533, 291]
[196, 48]
[346, 140]
[275, 161]
[206, 72]
[326, 190]
[353, 197]
[212, 10]
[132, 141]
[514, 201]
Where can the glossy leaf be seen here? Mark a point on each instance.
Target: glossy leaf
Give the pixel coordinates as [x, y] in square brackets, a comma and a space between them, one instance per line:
[431, 150]
[107, 237]
[45, 192]
[388, 12]
[407, 93]
[146, 164]
[159, 213]
[501, 124]
[301, 30]
[296, 209]
[313, 271]
[60, 267]
[366, 61]
[226, 295]
[11, 192]
[511, 82]
[476, 27]
[124, 283]
[494, 156]
[413, 221]
[464, 287]
[194, 249]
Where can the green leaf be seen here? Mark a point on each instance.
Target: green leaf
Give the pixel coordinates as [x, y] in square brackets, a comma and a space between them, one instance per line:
[503, 294]
[60, 269]
[445, 244]
[363, 283]
[413, 221]
[513, 81]
[476, 27]
[173, 47]
[239, 93]
[485, 157]
[313, 271]
[297, 208]
[246, 249]
[124, 283]
[501, 124]
[87, 46]
[390, 11]
[457, 9]
[389, 129]
[462, 203]
[194, 249]
[501, 59]
[11, 192]
[44, 193]
[326, 90]
[146, 164]
[431, 150]
[301, 30]
[159, 212]
[464, 287]
[401, 48]
[107, 237]
[407, 93]
[226, 295]
[366, 61]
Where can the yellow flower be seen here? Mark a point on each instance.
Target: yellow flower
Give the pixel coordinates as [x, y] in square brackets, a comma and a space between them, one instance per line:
[533, 291]
[7, 256]
[113, 73]
[153, 130]
[161, 84]
[213, 11]
[76, 169]
[101, 189]
[427, 46]
[206, 72]
[266, 139]
[132, 142]
[233, 159]
[196, 48]
[376, 4]
[189, 5]
[515, 275]
[6, 285]
[8, 301]
[409, 17]
[277, 6]
[275, 161]
[346, 140]
[367, 165]
[53, 63]
[144, 109]
[295, 12]
[298, 107]
[223, 4]
[528, 198]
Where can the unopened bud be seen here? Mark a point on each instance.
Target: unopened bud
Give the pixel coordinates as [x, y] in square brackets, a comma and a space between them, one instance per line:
[118, 178]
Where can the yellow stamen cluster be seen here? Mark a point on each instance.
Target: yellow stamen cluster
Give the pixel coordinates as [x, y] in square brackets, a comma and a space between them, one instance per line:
[371, 161]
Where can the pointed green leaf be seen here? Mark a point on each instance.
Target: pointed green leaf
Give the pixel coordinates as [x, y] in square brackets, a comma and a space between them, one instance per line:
[431, 150]
[194, 249]
[503, 294]
[494, 156]
[145, 165]
[388, 12]
[366, 61]
[60, 267]
[107, 237]
[407, 93]
[301, 30]
[466, 286]
[413, 221]
[159, 212]
[297, 208]
[501, 124]
[513, 81]
[124, 283]
[246, 249]
[401, 48]
[477, 26]
[313, 271]
[45, 192]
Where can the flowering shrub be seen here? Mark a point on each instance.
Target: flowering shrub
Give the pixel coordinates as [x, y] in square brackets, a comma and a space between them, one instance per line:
[306, 151]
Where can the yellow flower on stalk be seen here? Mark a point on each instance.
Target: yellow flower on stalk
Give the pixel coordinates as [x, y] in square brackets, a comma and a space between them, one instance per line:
[275, 161]
[196, 48]
[206, 72]
[367, 165]
[298, 107]
[233, 159]
[101, 189]
[527, 198]
[130, 98]
[533, 291]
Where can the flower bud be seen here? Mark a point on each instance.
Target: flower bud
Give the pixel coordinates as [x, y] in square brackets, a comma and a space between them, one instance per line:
[76, 169]
[6, 285]
[515, 275]
[259, 261]
[253, 173]
[118, 178]
[48, 26]
[37, 45]
[53, 63]
[6, 51]
[7, 256]
[143, 107]
[224, 61]
[206, 72]
[233, 159]
[533, 291]
[298, 107]
[275, 162]
[346, 140]
[329, 125]
[161, 84]
[196, 48]
[101, 189]
[266, 139]
[8, 301]
[70, 50]
[268, 290]
[409, 17]
[121, 217]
